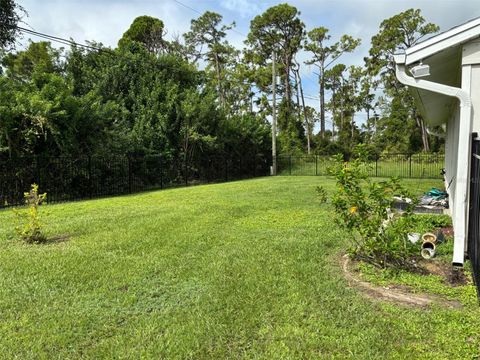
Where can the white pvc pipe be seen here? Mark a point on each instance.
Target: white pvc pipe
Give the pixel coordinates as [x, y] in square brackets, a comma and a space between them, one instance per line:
[463, 156]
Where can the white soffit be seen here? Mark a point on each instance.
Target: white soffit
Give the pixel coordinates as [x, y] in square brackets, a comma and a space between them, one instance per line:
[445, 68]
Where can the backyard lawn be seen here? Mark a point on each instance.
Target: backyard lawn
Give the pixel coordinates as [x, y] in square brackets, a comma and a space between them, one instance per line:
[244, 269]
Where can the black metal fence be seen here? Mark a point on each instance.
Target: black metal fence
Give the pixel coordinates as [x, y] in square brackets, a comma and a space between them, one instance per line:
[68, 178]
[426, 166]
[473, 246]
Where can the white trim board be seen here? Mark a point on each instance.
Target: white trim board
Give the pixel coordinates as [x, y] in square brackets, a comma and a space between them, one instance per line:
[450, 38]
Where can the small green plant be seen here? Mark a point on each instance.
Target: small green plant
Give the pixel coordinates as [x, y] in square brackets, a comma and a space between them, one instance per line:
[29, 227]
[365, 208]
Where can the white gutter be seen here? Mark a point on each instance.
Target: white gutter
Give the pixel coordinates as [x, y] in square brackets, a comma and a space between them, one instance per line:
[463, 166]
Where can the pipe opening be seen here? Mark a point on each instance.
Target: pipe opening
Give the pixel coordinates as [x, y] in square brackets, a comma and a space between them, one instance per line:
[428, 245]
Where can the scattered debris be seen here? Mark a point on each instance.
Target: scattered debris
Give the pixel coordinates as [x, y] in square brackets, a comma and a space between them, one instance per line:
[430, 242]
[413, 237]
[434, 197]
[428, 250]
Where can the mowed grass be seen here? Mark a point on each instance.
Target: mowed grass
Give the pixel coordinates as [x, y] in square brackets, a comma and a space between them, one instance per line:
[237, 270]
[422, 167]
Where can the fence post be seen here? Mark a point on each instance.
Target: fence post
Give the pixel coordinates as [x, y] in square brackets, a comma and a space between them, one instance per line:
[161, 173]
[129, 174]
[226, 168]
[290, 165]
[90, 180]
[209, 169]
[186, 170]
[376, 166]
[316, 164]
[410, 166]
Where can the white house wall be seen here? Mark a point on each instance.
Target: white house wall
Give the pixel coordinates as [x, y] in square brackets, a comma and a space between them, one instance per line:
[451, 149]
[471, 58]
[475, 94]
[471, 85]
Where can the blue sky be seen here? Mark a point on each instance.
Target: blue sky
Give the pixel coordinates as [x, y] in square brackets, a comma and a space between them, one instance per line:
[105, 21]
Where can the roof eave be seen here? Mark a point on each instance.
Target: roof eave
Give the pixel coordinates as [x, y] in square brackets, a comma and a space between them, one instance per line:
[448, 39]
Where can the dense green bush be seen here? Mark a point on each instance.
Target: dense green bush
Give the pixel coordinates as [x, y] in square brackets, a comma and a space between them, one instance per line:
[365, 208]
[29, 227]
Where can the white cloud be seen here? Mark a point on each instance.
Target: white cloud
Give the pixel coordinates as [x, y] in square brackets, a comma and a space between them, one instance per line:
[100, 21]
[243, 8]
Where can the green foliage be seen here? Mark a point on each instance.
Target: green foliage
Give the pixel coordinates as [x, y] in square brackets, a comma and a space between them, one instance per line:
[29, 227]
[395, 34]
[428, 222]
[144, 96]
[323, 56]
[147, 31]
[10, 15]
[365, 208]
[208, 31]
[139, 98]
[279, 29]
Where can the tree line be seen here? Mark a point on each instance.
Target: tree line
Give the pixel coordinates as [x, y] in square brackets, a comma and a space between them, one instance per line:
[197, 95]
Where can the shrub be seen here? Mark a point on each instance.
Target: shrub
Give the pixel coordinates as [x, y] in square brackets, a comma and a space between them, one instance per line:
[29, 227]
[364, 208]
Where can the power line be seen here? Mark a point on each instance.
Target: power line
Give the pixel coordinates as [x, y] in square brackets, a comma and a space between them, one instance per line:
[198, 12]
[188, 7]
[61, 40]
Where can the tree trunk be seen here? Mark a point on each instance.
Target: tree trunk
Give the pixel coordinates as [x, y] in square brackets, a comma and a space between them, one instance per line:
[307, 122]
[334, 111]
[297, 92]
[341, 106]
[322, 104]
[353, 124]
[9, 144]
[423, 129]
[288, 93]
[219, 79]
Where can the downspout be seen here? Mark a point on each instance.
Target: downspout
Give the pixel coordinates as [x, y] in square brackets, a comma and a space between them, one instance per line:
[463, 169]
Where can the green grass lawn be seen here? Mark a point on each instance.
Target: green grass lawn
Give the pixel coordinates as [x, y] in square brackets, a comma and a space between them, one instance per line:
[420, 166]
[244, 269]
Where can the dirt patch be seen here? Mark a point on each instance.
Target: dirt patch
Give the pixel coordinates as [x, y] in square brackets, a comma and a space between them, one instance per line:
[397, 294]
[447, 231]
[456, 277]
[58, 239]
[450, 275]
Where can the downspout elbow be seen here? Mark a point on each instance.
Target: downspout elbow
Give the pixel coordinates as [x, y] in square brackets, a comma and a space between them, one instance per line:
[404, 78]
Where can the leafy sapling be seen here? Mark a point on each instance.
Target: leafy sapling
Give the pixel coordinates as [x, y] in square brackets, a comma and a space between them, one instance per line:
[29, 227]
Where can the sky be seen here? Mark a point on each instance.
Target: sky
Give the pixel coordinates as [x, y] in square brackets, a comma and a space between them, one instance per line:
[105, 21]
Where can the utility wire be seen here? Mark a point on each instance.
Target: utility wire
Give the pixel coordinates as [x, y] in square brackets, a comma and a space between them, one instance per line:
[198, 12]
[188, 7]
[61, 40]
